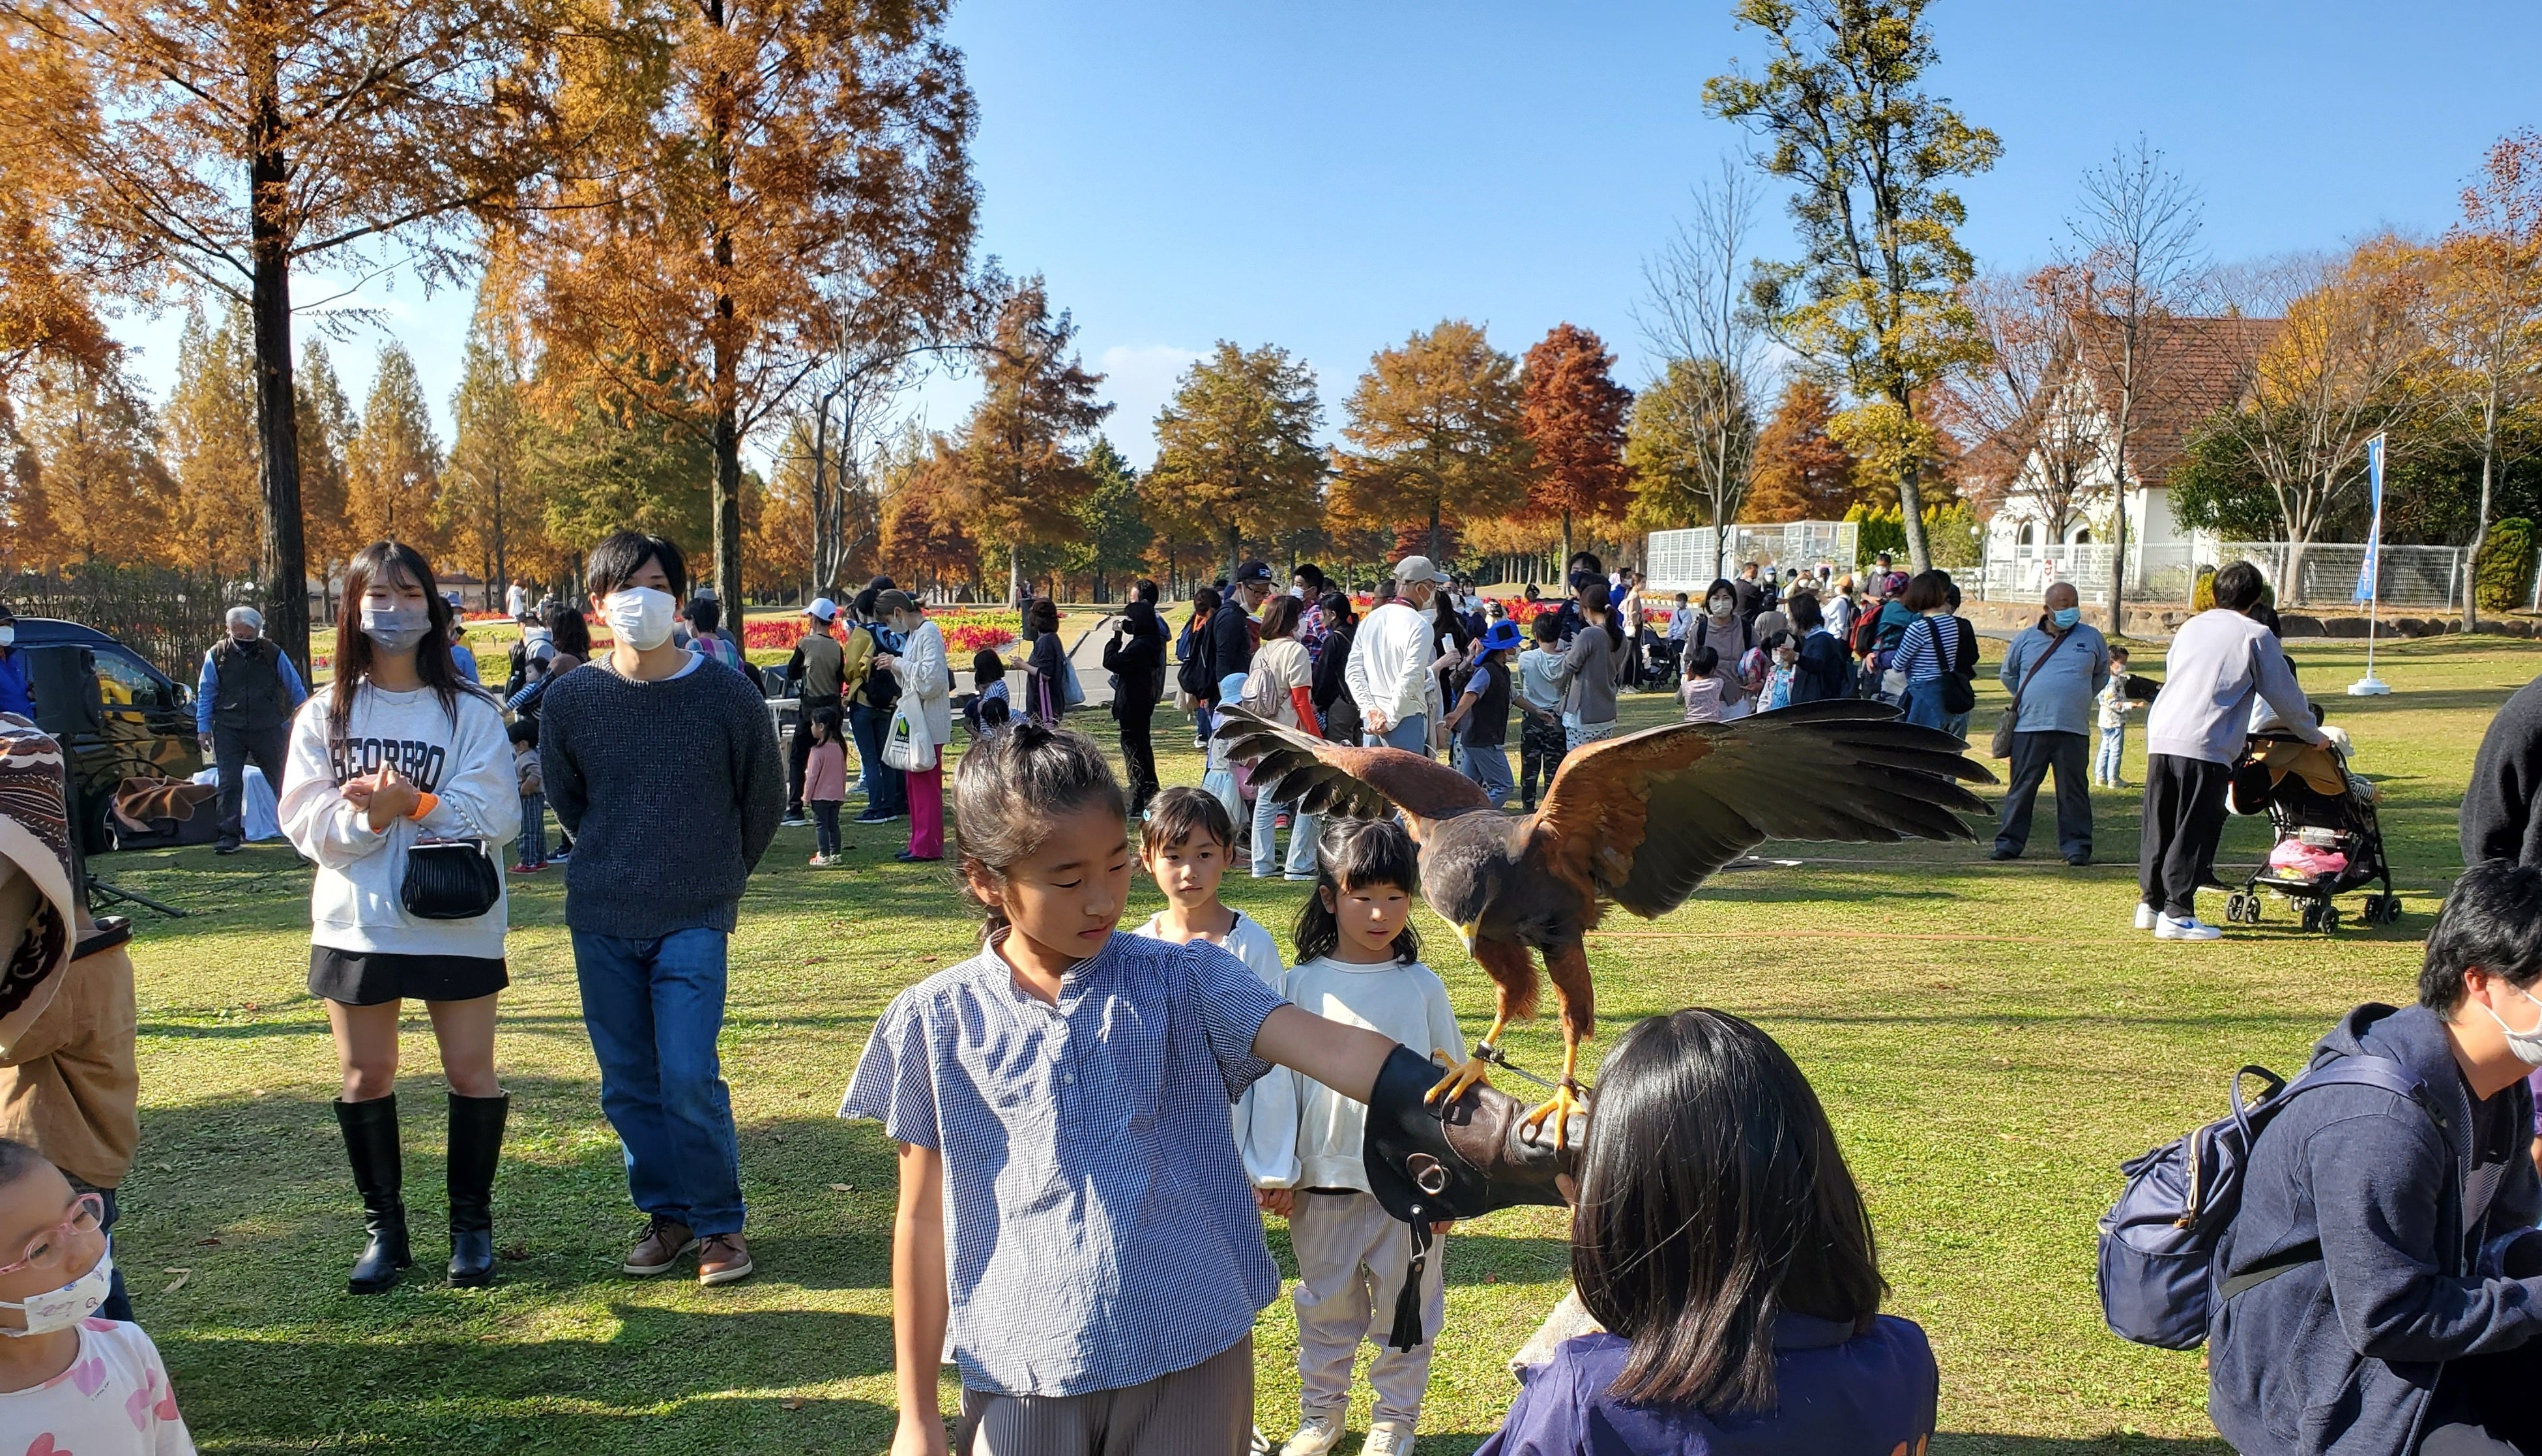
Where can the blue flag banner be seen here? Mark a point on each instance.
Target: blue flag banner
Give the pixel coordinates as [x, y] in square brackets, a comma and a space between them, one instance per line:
[2366, 585]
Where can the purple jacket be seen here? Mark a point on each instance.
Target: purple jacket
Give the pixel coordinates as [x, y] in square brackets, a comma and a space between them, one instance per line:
[1841, 1395]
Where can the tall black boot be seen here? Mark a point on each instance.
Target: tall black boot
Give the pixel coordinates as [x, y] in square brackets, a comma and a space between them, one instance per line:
[476, 1143]
[371, 1144]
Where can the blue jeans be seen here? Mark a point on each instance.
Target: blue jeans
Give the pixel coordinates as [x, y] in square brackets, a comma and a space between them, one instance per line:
[1302, 840]
[1488, 766]
[653, 1009]
[1923, 703]
[2113, 751]
[534, 830]
[1412, 734]
[885, 792]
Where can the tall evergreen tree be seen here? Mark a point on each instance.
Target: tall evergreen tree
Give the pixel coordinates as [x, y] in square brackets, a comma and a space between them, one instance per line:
[1236, 457]
[1433, 426]
[1112, 530]
[1573, 418]
[486, 499]
[394, 469]
[211, 444]
[326, 429]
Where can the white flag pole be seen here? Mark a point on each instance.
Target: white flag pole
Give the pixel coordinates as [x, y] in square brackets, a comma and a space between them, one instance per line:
[2370, 579]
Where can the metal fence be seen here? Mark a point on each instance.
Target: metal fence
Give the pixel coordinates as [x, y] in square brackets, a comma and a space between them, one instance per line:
[1686, 560]
[2313, 574]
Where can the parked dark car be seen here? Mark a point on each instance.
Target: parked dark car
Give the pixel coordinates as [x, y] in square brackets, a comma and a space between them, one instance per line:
[119, 716]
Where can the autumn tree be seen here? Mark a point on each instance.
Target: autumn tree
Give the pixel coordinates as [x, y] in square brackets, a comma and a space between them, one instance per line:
[242, 144]
[925, 529]
[2484, 316]
[2136, 240]
[1236, 457]
[752, 163]
[1112, 530]
[1874, 299]
[393, 472]
[1802, 473]
[1433, 430]
[598, 462]
[326, 426]
[209, 432]
[1020, 466]
[487, 505]
[98, 492]
[2031, 426]
[1572, 414]
[1692, 438]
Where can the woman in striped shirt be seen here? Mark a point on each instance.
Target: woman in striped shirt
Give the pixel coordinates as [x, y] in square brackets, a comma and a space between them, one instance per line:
[1930, 652]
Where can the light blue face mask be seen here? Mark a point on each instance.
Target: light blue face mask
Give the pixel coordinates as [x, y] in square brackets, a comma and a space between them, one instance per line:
[2065, 617]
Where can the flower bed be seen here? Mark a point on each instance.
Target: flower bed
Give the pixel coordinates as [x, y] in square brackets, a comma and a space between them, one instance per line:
[964, 631]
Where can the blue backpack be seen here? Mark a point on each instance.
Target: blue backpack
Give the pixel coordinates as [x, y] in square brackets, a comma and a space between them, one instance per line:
[2159, 1277]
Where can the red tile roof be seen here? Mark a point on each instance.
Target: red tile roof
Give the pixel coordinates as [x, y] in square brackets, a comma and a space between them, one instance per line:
[2192, 367]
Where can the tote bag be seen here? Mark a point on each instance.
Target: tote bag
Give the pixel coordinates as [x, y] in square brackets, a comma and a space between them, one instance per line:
[905, 745]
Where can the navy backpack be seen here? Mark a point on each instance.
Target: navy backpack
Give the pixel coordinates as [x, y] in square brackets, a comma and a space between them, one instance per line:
[2159, 1279]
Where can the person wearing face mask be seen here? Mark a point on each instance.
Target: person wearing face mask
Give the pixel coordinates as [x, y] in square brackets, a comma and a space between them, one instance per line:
[14, 694]
[2389, 1273]
[243, 708]
[71, 1381]
[402, 750]
[926, 691]
[666, 769]
[1731, 637]
[2056, 668]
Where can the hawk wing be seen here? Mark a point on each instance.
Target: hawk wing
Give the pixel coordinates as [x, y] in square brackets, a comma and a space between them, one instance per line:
[1326, 778]
[1645, 818]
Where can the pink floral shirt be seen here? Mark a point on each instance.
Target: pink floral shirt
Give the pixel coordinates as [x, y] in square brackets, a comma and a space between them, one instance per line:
[114, 1401]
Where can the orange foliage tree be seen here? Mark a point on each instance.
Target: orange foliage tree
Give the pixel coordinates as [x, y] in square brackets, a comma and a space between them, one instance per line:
[1572, 412]
[1800, 473]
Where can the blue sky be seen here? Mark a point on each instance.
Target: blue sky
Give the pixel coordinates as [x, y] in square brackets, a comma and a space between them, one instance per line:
[1332, 177]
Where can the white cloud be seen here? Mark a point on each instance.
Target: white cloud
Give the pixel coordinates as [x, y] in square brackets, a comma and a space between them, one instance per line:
[1137, 380]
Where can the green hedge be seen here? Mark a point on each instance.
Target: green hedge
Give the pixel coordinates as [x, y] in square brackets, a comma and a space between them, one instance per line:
[1951, 534]
[2503, 573]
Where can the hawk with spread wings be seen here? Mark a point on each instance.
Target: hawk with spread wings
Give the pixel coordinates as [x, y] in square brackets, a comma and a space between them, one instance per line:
[1640, 820]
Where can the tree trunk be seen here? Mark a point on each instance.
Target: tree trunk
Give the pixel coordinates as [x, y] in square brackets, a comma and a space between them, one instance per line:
[2480, 522]
[1235, 552]
[727, 347]
[1433, 533]
[1566, 536]
[286, 565]
[502, 565]
[1911, 506]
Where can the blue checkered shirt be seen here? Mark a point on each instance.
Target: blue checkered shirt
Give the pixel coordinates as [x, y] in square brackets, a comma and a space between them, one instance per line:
[1098, 1228]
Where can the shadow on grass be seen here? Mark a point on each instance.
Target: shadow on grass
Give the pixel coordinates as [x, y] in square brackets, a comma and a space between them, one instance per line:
[2117, 1443]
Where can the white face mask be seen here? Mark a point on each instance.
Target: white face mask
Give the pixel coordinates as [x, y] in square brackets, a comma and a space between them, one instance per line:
[9, 636]
[2526, 1044]
[639, 615]
[63, 1308]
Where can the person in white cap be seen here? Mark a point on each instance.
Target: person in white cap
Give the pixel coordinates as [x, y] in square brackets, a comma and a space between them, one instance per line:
[1389, 672]
[243, 708]
[817, 670]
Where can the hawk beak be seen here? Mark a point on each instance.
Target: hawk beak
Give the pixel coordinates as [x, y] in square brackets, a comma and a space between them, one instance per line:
[1466, 931]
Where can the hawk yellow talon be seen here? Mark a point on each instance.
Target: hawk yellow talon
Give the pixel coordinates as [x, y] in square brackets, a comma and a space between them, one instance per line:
[1460, 1078]
[1558, 1110]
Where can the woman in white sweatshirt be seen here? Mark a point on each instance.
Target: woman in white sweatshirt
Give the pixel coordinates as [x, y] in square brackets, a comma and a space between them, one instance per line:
[402, 750]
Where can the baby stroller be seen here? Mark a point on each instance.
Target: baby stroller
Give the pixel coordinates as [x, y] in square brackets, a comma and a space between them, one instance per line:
[2328, 841]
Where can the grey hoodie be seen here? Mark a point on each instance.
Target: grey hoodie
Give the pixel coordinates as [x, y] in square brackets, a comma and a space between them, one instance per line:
[2341, 1356]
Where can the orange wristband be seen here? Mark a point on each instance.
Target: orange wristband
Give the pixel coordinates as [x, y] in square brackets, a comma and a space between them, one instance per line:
[424, 804]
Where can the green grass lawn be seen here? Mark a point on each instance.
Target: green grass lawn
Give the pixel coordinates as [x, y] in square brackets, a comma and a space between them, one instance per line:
[1991, 1041]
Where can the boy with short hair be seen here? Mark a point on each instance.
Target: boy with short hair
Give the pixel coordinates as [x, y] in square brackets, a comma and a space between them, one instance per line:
[2403, 1294]
[1540, 742]
[2115, 706]
[669, 778]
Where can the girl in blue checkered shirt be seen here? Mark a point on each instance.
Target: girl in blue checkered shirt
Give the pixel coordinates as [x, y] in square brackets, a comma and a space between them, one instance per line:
[1075, 1223]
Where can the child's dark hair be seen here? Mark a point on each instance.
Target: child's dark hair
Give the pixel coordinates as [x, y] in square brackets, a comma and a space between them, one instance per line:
[1774, 641]
[1354, 854]
[17, 1160]
[986, 667]
[1009, 789]
[827, 719]
[1179, 813]
[525, 730]
[2118, 654]
[1713, 1200]
[1702, 661]
[1546, 628]
[704, 616]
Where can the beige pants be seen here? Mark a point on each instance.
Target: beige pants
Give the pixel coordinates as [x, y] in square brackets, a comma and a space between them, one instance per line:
[1351, 1256]
[1204, 1411]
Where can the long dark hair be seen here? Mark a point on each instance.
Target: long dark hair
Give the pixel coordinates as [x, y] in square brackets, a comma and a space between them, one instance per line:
[1011, 788]
[1338, 616]
[1713, 1198]
[1356, 855]
[570, 633]
[398, 564]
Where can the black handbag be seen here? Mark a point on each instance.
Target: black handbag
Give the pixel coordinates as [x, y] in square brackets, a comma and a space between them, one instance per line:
[449, 880]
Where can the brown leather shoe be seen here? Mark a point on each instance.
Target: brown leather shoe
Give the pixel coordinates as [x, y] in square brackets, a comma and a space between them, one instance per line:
[661, 1248]
[722, 1259]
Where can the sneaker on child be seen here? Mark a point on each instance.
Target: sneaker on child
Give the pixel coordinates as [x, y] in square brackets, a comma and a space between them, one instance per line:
[1316, 1436]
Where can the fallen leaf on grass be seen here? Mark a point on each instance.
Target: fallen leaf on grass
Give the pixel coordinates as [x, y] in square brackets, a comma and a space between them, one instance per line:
[929, 960]
[205, 1243]
[843, 1188]
[514, 1252]
[1491, 1279]
[815, 959]
[795, 1404]
[183, 1275]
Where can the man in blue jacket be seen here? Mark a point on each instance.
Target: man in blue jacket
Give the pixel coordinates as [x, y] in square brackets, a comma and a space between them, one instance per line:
[2390, 1274]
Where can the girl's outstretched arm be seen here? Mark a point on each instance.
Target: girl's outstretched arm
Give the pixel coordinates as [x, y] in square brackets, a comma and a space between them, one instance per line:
[918, 1301]
[1346, 1058]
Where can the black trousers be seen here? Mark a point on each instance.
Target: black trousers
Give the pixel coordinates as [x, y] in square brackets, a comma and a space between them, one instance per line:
[799, 750]
[2034, 755]
[1139, 750]
[1541, 747]
[2483, 1406]
[235, 747]
[2184, 822]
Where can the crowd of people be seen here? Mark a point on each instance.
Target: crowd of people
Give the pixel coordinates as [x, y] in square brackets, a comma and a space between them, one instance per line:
[1093, 1121]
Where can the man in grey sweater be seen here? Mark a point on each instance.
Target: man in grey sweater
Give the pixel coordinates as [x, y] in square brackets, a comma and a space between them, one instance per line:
[670, 782]
[2054, 668]
[2219, 662]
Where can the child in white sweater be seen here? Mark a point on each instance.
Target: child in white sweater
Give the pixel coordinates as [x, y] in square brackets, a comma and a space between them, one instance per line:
[1358, 963]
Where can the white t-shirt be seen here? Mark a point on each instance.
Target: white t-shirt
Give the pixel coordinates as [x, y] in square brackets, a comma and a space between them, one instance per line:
[1266, 1116]
[1407, 1002]
[114, 1400]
